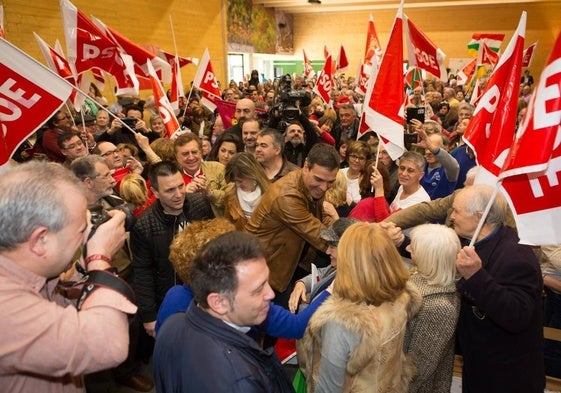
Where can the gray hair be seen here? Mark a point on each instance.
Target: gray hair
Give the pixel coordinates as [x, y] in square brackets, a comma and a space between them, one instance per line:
[31, 198]
[416, 158]
[84, 167]
[480, 195]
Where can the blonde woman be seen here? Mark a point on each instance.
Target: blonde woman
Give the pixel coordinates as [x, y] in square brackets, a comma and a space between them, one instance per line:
[248, 182]
[354, 341]
[133, 190]
[430, 335]
[337, 196]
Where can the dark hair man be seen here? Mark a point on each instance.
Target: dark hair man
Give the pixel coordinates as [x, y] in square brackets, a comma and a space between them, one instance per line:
[229, 279]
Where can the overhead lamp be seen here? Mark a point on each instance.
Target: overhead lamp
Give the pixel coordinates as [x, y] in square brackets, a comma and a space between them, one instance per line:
[314, 1]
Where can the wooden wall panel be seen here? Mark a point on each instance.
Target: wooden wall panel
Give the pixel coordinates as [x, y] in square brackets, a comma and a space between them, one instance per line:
[449, 27]
[197, 25]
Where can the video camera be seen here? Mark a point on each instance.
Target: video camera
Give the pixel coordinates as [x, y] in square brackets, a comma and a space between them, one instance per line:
[284, 103]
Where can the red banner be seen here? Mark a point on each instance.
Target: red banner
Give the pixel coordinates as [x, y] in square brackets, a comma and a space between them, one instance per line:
[30, 94]
[325, 82]
[383, 111]
[423, 53]
[162, 102]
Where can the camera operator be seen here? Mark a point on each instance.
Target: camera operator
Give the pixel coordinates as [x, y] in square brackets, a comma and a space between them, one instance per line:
[47, 343]
[300, 134]
[98, 183]
[118, 133]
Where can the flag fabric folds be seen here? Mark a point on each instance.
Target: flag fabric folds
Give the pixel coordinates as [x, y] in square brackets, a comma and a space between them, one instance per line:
[384, 112]
[529, 54]
[531, 171]
[493, 41]
[423, 53]
[342, 61]
[205, 81]
[373, 47]
[324, 83]
[491, 130]
[139, 54]
[308, 70]
[88, 48]
[162, 102]
[30, 94]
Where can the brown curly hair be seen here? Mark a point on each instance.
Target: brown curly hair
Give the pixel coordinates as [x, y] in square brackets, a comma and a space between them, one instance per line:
[188, 242]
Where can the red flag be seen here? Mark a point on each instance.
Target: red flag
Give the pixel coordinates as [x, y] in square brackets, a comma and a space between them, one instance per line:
[423, 53]
[326, 52]
[466, 73]
[534, 161]
[413, 77]
[55, 60]
[206, 82]
[176, 90]
[486, 55]
[89, 48]
[139, 54]
[227, 111]
[162, 102]
[325, 82]
[529, 54]
[30, 94]
[342, 61]
[384, 112]
[308, 70]
[183, 61]
[373, 47]
[491, 130]
[361, 79]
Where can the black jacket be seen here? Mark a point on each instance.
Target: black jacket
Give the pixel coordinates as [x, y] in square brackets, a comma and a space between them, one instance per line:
[150, 240]
[196, 352]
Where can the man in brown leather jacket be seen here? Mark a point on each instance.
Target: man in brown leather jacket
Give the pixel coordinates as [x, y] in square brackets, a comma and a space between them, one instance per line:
[289, 218]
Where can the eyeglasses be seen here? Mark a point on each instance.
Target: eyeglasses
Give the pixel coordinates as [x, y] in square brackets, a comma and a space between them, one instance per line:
[110, 152]
[358, 158]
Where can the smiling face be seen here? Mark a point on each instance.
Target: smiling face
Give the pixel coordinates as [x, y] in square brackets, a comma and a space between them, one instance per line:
[408, 175]
[464, 223]
[253, 296]
[318, 179]
[189, 156]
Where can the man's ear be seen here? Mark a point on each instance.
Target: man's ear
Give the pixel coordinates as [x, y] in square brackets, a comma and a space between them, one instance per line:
[38, 241]
[218, 303]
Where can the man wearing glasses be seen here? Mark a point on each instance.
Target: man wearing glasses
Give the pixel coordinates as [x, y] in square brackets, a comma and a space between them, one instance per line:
[58, 125]
[72, 147]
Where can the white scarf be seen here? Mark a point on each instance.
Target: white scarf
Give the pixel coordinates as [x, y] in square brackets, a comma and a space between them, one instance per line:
[249, 200]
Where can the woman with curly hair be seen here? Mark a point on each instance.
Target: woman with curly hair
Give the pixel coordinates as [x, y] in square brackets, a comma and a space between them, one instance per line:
[280, 322]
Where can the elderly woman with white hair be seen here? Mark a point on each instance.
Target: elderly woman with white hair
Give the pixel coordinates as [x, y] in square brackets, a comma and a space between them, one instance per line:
[430, 335]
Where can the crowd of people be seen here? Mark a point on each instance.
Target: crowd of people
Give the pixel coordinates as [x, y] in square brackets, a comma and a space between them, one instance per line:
[222, 238]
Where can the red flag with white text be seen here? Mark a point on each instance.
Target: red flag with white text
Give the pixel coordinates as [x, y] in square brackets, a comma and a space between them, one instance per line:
[139, 54]
[162, 102]
[531, 171]
[205, 81]
[466, 73]
[324, 83]
[88, 48]
[342, 61]
[486, 55]
[373, 47]
[490, 132]
[30, 94]
[423, 53]
[361, 79]
[308, 70]
[383, 111]
[529, 54]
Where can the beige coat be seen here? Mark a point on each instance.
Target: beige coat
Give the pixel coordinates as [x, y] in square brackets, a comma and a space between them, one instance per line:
[378, 363]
